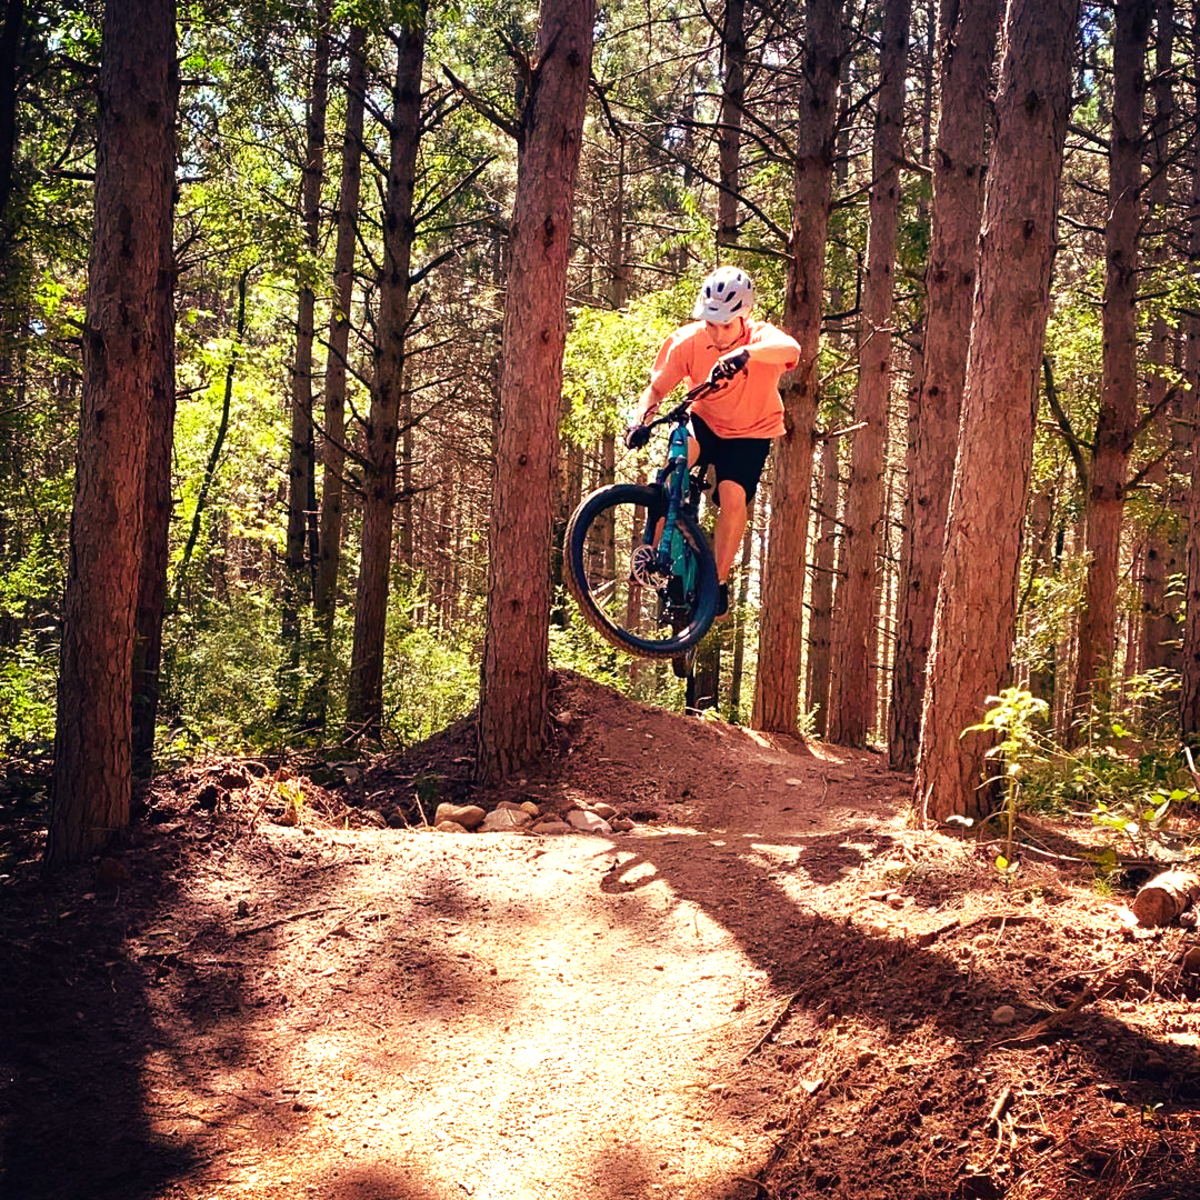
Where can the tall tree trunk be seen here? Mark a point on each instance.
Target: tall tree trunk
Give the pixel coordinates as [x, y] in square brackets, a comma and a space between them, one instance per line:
[333, 444]
[364, 702]
[777, 685]
[1161, 556]
[152, 578]
[1189, 691]
[737, 666]
[967, 47]
[851, 705]
[883, 649]
[299, 560]
[729, 137]
[820, 624]
[702, 690]
[515, 674]
[10, 45]
[90, 788]
[406, 545]
[974, 621]
[1117, 420]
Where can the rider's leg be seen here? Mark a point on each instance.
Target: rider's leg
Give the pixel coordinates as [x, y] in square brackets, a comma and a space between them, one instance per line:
[732, 516]
[731, 526]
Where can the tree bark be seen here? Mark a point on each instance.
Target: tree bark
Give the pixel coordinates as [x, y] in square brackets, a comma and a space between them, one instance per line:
[1163, 898]
[157, 504]
[851, 706]
[739, 632]
[1160, 560]
[777, 684]
[974, 621]
[1117, 420]
[10, 44]
[333, 442]
[729, 136]
[967, 47]
[515, 674]
[90, 788]
[299, 558]
[820, 623]
[1189, 690]
[364, 703]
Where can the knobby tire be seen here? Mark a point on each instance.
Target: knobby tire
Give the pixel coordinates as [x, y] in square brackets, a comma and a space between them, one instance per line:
[602, 589]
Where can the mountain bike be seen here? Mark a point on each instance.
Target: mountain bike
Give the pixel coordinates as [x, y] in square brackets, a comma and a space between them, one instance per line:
[637, 561]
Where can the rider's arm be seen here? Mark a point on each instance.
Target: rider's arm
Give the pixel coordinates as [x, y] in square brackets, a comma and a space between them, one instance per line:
[648, 405]
[671, 367]
[772, 345]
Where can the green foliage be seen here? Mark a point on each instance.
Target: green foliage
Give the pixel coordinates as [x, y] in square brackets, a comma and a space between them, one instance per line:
[430, 680]
[1051, 606]
[220, 677]
[578, 647]
[1016, 718]
[31, 581]
[27, 683]
[608, 358]
[30, 587]
[428, 789]
[1118, 778]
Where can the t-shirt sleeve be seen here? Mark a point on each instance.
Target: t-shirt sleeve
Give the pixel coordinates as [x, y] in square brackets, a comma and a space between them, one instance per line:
[670, 367]
[774, 346]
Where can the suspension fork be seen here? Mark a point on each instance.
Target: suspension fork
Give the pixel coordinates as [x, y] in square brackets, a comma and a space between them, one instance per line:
[673, 479]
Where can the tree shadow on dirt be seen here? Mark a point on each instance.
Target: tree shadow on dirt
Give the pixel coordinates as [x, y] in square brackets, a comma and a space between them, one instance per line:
[931, 998]
[76, 1028]
[134, 1013]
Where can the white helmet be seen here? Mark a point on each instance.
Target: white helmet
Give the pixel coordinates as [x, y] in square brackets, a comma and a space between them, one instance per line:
[728, 293]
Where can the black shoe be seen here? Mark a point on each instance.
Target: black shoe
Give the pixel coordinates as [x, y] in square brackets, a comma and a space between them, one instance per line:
[722, 600]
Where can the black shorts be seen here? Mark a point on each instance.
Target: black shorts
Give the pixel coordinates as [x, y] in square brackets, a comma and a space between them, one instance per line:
[740, 460]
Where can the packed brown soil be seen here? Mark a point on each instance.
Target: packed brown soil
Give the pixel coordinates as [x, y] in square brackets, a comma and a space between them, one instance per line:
[771, 986]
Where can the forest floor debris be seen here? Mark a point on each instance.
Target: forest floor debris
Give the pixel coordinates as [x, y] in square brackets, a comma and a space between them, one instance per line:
[285, 984]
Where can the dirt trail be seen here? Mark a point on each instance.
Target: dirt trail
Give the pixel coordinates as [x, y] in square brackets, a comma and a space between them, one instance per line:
[770, 986]
[525, 1021]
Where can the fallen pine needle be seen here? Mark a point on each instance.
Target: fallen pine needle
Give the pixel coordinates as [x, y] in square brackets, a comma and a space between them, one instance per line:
[300, 916]
[773, 1028]
[1052, 1022]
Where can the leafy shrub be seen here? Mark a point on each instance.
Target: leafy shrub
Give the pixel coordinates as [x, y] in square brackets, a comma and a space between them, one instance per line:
[220, 677]
[1121, 778]
[27, 686]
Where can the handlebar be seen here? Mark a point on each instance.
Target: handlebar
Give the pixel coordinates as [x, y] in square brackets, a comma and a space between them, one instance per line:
[680, 411]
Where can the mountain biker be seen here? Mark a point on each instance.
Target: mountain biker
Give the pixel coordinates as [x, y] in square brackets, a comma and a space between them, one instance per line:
[732, 427]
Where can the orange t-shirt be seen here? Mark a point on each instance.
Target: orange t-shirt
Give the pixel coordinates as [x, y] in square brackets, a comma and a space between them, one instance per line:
[746, 406]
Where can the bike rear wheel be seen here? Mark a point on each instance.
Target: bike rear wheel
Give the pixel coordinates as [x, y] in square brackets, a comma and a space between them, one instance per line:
[665, 615]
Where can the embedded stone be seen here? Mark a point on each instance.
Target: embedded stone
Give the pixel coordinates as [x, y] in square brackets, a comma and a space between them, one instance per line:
[587, 822]
[502, 819]
[469, 816]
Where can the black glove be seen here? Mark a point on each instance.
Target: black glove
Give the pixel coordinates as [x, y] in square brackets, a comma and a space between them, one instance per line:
[636, 436]
[729, 366]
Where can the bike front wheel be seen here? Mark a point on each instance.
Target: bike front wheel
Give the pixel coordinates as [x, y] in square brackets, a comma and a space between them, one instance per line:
[640, 610]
